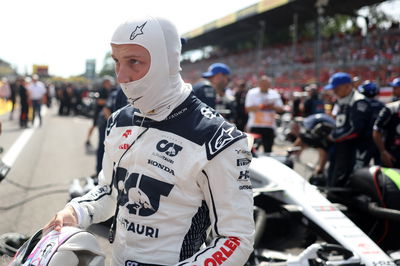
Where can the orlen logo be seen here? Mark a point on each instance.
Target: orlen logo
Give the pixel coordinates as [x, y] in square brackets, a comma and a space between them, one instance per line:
[169, 148]
[223, 253]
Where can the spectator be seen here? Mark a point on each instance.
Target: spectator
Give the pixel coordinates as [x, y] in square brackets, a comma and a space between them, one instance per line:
[262, 104]
[68, 99]
[5, 91]
[13, 97]
[240, 98]
[313, 104]
[24, 102]
[51, 94]
[297, 104]
[115, 101]
[64, 99]
[37, 92]
[101, 100]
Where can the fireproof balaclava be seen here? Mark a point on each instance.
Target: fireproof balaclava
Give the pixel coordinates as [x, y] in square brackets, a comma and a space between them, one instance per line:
[162, 88]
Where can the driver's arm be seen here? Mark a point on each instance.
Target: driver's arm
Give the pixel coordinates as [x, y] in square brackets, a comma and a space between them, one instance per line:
[228, 194]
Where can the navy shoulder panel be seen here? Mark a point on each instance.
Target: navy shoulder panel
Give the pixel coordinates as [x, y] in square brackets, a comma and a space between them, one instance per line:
[198, 123]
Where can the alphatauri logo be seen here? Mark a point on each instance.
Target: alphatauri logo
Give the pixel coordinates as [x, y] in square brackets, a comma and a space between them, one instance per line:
[169, 148]
[141, 194]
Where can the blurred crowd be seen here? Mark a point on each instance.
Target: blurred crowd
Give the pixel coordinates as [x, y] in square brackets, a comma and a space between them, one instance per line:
[371, 57]
[346, 121]
[263, 103]
[27, 93]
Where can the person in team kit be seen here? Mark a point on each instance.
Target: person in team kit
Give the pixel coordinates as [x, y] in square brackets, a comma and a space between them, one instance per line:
[170, 168]
[387, 134]
[395, 84]
[352, 134]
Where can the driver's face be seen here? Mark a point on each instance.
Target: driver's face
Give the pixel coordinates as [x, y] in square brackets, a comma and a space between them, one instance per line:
[132, 62]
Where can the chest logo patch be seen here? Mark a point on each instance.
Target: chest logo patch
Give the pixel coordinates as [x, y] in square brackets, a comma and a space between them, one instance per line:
[169, 148]
[140, 193]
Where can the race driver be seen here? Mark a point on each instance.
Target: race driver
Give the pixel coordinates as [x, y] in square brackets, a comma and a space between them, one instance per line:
[172, 169]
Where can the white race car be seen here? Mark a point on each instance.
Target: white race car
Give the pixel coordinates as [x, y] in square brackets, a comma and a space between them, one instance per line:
[297, 225]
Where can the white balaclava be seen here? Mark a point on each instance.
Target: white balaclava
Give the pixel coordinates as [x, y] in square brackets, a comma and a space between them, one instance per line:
[162, 88]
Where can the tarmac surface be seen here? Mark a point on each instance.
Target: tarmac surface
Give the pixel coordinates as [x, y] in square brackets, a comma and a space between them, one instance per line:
[44, 161]
[42, 169]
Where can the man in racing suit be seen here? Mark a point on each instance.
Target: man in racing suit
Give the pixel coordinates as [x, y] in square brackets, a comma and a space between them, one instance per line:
[172, 167]
[352, 134]
[387, 134]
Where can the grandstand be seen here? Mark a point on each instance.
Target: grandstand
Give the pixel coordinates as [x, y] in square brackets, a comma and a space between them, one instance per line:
[258, 39]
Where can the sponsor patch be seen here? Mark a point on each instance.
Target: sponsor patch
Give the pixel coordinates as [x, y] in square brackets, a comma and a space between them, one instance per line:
[131, 263]
[169, 148]
[178, 113]
[362, 106]
[139, 229]
[161, 166]
[244, 175]
[165, 158]
[124, 146]
[224, 252]
[96, 194]
[223, 137]
[328, 208]
[138, 31]
[383, 263]
[127, 133]
[340, 120]
[245, 152]
[141, 194]
[243, 161]
[208, 112]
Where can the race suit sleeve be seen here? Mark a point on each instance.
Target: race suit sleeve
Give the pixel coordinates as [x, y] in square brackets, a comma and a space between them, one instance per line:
[359, 119]
[227, 189]
[382, 119]
[99, 203]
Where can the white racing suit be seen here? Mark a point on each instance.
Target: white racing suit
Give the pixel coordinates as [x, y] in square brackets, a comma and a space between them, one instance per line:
[180, 177]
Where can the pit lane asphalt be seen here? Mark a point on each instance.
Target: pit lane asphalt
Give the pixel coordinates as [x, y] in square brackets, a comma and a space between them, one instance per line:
[54, 154]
